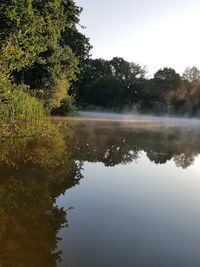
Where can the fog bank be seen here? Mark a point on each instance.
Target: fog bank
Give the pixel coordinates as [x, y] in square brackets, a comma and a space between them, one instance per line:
[130, 117]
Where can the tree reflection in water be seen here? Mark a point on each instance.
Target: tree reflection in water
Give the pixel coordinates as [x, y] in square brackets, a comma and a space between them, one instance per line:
[33, 173]
[115, 143]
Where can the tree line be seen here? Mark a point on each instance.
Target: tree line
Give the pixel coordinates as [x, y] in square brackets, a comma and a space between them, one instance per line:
[119, 85]
[45, 65]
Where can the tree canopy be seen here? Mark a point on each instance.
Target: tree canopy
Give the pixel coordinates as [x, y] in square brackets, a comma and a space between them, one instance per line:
[40, 48]
[44, 54]
[120, 85]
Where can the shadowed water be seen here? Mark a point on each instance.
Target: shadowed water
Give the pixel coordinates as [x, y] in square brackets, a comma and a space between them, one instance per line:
[101, 193]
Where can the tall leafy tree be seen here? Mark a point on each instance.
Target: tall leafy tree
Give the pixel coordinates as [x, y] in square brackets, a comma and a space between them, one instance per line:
[32, 48]
[189, 92]
[123, 77]
[167, 79]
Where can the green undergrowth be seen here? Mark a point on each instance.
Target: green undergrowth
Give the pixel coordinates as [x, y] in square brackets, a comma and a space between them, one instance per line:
[21, 115]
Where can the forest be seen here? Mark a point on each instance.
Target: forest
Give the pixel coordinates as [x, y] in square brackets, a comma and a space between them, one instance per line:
[46, 67]
[119, 85]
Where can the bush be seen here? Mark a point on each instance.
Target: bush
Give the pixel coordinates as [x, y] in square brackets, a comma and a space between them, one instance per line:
[67, 107]
[20, 114]
[22, 106]
[56, 93]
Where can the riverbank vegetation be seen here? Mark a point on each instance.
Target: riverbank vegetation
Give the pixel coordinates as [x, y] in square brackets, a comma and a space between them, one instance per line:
[46, 68]
[119, 85]
[41, 51]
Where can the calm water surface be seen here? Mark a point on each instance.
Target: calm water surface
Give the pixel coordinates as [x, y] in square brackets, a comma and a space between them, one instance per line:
[102, 193]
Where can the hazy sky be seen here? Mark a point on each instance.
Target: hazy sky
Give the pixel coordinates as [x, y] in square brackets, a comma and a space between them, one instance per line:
[155, 33]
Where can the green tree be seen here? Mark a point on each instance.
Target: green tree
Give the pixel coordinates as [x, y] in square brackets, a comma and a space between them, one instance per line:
[33, 46]
[150, 97]
[190, 91]
[132, 77]
[106, 91]
[167, 81]
[129, 77]
[93, 70]
[185, 100]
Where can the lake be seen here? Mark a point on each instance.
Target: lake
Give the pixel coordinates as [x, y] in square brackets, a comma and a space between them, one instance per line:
[99, 191]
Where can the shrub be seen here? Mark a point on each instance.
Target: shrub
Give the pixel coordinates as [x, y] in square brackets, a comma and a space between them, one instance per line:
[20, 114]
[22, 106]
[67, 107]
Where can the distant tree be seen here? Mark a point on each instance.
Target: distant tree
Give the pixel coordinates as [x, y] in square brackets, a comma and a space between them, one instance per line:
[128, 76]
[168, 79]
[120, 68]
[186, 98]
[191, 91]
[192, 75]
[106, 91]
[150, 97]
[93, 70]
[132, 77]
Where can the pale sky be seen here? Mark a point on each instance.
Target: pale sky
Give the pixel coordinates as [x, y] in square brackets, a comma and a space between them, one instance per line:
[155, 33]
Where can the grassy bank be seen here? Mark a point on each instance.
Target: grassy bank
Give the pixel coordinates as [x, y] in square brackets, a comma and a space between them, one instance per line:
[21, 114]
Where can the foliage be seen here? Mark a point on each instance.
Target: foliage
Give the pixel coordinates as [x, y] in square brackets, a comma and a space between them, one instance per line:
[21, 113]
[121, 85]
[78, 42]
[40, 50]
[24, 107]
[116, 80]
[58, 92]
[106, 92]
[167, 79]
[67, 107]
[186, 98]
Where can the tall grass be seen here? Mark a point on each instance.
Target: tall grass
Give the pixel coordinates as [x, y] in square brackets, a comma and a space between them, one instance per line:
[20, 114]
[24, 107]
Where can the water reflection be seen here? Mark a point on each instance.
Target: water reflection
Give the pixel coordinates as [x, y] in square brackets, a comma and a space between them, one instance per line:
[34, 172]
[121, 143]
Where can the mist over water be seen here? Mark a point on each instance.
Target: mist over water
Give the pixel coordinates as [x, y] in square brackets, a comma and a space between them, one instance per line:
[137, 204]
[134, 117]
[102, 189]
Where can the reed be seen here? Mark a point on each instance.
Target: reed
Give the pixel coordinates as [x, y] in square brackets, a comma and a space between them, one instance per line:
[20, 114]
